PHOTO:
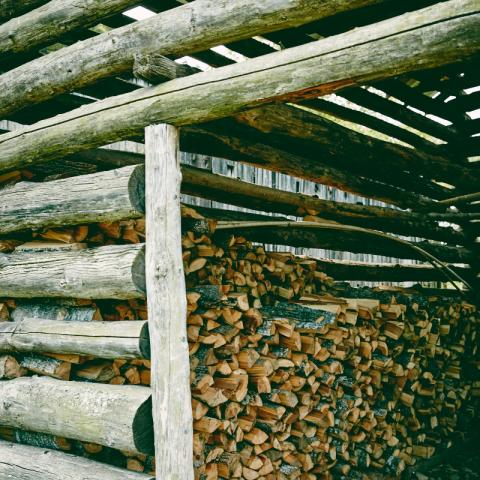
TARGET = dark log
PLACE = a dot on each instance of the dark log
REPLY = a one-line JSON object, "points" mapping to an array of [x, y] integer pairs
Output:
{"points": [[179, 31], [116, 271], [117, 416], [21, 462], [426, 38], [52, 311], [100, 339]]}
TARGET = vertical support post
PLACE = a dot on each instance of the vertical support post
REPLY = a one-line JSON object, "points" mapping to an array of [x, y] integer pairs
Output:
{"points": [[167, 308]]}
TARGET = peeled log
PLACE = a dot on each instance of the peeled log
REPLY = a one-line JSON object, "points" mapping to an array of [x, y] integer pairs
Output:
{"points": [[117, 416], [22, 462], [425, 38], [115, 271], [100, 339], [98, 197]]}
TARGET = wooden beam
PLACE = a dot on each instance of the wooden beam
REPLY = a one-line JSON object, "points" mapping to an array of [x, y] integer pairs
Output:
{"points": [[34, 463], [166, 299], [115, 271], [13, 8], [188, 28], [100, 339], [99, 197], [425, 38], [56, 18], [117, 416], [332, 236], [383, 272]]}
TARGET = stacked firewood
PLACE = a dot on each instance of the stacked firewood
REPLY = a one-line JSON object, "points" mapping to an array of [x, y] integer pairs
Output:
{"points": [[290, 377]]}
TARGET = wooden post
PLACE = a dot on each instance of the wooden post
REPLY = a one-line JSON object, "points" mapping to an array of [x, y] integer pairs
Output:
{"points": [[167, 309]]}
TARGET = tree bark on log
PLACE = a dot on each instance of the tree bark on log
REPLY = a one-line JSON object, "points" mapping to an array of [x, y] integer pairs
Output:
{"points": [[47, 311], [99, 339], [425, 38], [117, 416], [383, 272], [332, 237], [54, 19], [115, 271], [167, 306], [13, 8], [179, 31], [98, 197], [22, 462]]}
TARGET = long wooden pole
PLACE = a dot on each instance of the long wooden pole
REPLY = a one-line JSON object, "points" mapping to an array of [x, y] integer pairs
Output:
{"points": [[426, 38], [166, 298]]}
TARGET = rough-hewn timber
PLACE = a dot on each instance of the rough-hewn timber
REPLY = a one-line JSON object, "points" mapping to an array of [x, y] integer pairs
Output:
{"points": [[194, 27], [22, 462], [56, 18], [117, 416], [100, 339], [426, 38], [172, 410], [116, 271], [100, 197]]}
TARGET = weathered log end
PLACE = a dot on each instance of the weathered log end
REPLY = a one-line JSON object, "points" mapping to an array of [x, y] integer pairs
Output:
{"points": [[138, 271], [145, 342], [143, 428], [136, 188]]}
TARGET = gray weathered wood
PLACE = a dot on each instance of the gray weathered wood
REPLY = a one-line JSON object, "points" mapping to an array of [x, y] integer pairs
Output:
{"points": [[48, 310], [166, 297], [13, 8], [194, 27], [117, 416], [115, 271], [22, 462], [98, 197], [100, 339], [56, 18], [425, 38]]}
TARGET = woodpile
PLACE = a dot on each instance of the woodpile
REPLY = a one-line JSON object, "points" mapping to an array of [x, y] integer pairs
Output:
{"points": [[291, 376]]}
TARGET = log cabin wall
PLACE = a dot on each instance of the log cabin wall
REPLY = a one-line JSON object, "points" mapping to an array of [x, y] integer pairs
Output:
{"points": [[291, 374]]}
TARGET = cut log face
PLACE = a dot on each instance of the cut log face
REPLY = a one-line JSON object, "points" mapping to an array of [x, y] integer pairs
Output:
{"points": [[100, 339], [116, 271], [99, 197], [118, 416], [22, 462]]}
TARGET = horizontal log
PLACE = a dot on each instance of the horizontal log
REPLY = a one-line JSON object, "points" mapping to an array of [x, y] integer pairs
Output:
{"points": [[426, 38], [117, 416], [22, 462], [13, 8], [116, 271], [49, 310], [189, 28], [100, 197], [100, 339], [383, 272], [56, 18], [333, 236]]}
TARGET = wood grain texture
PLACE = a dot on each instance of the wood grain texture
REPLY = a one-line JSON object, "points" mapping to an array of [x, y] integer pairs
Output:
{"points": [[56, 18], [115, 271], [100, 339], [417, 40], [117, 416], [99, 197], [166, 298], [22, 462], [189, 28]]}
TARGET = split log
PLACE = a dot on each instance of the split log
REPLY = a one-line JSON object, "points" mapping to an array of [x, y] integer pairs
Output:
{"points": [[384, 272], [10, 368], [377, 51], [167, 306], [53, 20], [51, 311], [13, 8], [99, 339], [186, 29], [99, 197], [43, 365], [117, 416], [116, 271], [22, 462], [337, 237]]}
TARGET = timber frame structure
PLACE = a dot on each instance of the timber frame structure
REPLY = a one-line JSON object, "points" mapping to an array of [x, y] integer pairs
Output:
{"points": [[77, 76]]}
